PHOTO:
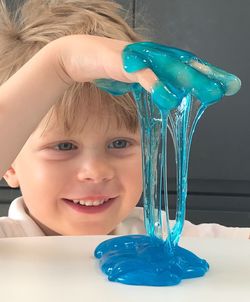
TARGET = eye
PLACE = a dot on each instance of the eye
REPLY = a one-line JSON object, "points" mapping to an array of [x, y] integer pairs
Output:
{"points": [[65, 146], [119, 144]]}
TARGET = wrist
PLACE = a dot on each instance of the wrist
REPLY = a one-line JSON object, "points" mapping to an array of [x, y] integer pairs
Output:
{"points": [[55, 51]]}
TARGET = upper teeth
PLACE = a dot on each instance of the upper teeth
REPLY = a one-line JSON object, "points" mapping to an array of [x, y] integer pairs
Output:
{"points": [[89, 202]]}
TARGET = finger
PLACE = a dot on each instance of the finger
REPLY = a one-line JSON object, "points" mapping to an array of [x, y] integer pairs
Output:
{"points": [[146, 78], [181, 79], [151, 62], [164, 96], [134, 60], [172, 72], [149, 49], [189, 80], [230, 82], [182, 70]]}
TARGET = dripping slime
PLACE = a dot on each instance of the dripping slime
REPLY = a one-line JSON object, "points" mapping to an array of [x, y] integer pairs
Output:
{"points": [[186, 87]]}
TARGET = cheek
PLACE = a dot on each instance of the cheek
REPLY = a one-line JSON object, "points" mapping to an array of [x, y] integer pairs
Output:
{"points": [[47, 172], [132, 175], [41, 178]]}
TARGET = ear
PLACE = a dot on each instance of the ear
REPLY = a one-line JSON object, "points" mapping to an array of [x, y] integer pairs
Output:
{"points": [[11, 178]]}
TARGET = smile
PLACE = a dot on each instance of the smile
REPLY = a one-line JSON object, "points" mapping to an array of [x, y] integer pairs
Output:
{"points": [[90, 203], [89, 206]]}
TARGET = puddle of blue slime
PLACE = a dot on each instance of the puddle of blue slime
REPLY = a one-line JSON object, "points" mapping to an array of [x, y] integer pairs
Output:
{"points": [[152, 259]]}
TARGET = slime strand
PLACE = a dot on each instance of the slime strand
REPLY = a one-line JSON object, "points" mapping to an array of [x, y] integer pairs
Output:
{"points": [[186, 86], [183, 121]]}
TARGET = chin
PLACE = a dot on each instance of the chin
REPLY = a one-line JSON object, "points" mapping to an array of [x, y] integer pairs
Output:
{"points": [[89, 232]]}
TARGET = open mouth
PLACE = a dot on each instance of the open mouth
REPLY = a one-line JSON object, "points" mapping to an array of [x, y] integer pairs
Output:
{"points": [[89, 206], [90, 203]]}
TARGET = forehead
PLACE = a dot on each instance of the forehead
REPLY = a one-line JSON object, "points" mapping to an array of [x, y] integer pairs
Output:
{"points": [[88, 107], [103, 123]]}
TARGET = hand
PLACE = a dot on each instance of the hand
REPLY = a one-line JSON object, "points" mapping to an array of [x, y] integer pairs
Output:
{"points": [[85, 58], [178, 72]]}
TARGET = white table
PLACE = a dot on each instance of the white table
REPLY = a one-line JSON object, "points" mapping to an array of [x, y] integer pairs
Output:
{"points": [[64, 269]]}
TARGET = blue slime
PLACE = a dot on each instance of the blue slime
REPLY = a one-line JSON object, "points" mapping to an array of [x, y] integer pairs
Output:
{"points": [[186, 86]]}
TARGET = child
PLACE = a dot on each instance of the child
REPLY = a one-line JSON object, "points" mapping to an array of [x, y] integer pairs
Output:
{"points": [[73, 150]]}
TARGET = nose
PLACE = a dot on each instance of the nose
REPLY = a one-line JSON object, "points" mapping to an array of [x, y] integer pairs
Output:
{"points": [[95, 170]]}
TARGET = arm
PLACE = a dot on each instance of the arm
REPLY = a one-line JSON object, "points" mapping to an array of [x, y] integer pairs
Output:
{"points": [[24, 100], [29, 94]]}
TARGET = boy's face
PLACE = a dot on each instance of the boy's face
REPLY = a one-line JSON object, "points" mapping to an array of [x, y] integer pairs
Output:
{"points": [[99, 167]]}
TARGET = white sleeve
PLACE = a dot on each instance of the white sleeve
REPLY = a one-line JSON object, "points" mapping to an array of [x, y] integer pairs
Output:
{"points": [[214, 230]]}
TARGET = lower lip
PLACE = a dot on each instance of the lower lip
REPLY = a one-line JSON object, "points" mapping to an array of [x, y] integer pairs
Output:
{"points": [[90, 209]]}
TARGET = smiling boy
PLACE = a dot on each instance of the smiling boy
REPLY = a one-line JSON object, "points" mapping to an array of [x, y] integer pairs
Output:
{"points": [[73, 149], [73, 183]]}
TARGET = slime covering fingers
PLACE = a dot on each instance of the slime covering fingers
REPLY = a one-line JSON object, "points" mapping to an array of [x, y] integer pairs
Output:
{"points": [[172, 66], [176, 68]]}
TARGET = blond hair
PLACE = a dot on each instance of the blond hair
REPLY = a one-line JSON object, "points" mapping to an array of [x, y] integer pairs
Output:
{"points": [[38, 22]]}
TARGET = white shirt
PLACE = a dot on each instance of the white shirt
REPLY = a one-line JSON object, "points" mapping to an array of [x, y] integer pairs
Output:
{"points": [[20, 224]]}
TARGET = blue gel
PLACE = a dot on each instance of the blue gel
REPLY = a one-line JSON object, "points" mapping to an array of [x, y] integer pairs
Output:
{"points": [[186, 86], [145, 260]]}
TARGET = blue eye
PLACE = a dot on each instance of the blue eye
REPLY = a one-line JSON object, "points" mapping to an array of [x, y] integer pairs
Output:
{"points": [[66, 146], [119, 144]]}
